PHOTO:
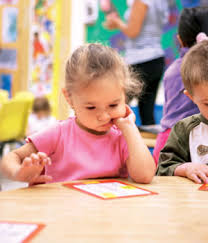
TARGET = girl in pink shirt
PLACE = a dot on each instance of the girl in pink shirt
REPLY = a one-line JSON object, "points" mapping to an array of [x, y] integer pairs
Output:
{"points": [[102, 139]]}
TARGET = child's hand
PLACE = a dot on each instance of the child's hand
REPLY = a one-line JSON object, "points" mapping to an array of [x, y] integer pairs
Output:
{"points": [[32, 167], [129, 118], [197, 172]]}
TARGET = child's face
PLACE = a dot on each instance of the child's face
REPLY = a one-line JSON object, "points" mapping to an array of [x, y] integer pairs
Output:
{"points": [[98, 104], [42, 114], [200, 98]]}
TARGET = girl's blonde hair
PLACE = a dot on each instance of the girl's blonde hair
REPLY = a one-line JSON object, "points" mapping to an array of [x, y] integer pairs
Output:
{"points": [[194, 68], [92, 61]]}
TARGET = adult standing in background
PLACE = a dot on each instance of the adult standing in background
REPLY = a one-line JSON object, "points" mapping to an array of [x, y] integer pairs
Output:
{"points": [[143, 25]]}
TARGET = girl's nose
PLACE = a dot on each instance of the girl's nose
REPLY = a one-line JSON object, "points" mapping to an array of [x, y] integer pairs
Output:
{"points": [[103, 116]]}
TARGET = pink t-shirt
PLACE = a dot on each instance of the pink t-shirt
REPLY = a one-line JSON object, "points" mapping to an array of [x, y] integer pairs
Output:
{"points": [[77, 154]]}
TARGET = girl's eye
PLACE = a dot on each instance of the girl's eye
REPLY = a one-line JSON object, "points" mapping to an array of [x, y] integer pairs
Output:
{"points": [[91, 107], [113, 105]]}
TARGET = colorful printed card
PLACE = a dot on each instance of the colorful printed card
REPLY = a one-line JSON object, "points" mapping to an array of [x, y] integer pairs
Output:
{"points": [[203, 187], [109, 189], [17, 232]]}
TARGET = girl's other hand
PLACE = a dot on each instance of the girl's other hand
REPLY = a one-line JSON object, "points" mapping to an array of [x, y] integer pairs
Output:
{"points": [[32, 167]]}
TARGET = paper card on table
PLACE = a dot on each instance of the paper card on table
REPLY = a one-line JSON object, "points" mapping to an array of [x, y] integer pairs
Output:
{"points": [[17, 232], [203, 187], [109, 189]]}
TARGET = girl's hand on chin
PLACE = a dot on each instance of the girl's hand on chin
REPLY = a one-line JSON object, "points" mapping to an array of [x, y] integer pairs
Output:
{"points": [[128, 119]]}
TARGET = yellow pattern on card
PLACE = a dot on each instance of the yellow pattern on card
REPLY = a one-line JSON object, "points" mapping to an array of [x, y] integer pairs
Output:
{"points": [[128, 187], [108, 195]]}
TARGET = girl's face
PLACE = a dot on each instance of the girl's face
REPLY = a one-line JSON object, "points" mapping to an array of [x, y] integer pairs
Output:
{"points": [[42, 114], [98, 104]]}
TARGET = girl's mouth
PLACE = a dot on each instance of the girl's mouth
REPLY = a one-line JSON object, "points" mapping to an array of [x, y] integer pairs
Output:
{"points": [[110, 123]]}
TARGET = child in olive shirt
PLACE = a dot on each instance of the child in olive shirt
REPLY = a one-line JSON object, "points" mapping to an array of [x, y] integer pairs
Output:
{"points": [[186, 151]]}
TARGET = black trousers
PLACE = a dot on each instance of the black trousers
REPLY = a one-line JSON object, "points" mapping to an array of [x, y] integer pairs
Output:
{"points": [[151, 73]]}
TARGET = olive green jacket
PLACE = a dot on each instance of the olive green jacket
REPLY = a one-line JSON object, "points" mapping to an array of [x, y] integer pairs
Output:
{"points": [[177, 148]]}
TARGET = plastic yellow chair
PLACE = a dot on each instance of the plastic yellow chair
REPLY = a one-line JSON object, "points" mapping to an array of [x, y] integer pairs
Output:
{"points": [[13, 123], [4, 95], [26, 96]]}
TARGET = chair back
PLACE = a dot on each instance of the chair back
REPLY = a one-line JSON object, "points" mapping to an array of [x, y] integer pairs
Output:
{"points": [[25, 95], [13, 119]]}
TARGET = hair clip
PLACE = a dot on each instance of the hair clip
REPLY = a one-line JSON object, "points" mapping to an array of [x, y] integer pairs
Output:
{"points": [[201, 36], [202, 150]]}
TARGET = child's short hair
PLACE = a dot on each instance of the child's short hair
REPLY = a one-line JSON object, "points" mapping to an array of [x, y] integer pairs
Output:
{"points": [[41, 104], [92, 61], [194, 68], [191, 22]]}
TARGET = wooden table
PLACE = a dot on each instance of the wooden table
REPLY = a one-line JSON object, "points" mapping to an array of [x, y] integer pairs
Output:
{"points": [[179, 213], [149, 139]]}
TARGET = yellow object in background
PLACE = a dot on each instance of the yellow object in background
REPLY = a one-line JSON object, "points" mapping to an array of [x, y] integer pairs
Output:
{"points": [[4, 95], [14, 115], [25, 96], [60, 54], [51, 101]]}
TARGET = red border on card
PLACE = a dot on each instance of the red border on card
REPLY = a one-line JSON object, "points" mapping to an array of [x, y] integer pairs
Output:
{"points": [[31, 235], [203, 187], [72, 185]]}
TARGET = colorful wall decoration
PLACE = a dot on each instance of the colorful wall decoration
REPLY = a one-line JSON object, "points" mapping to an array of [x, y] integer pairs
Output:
{"points": [[8, 2], [97, 33], [43, 29], [8, 59], [9, 31], [14, 44], [6, 82], [8, 39]]}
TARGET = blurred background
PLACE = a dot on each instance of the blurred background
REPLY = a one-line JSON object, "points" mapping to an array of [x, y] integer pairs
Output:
{"points": [[38, 35]]}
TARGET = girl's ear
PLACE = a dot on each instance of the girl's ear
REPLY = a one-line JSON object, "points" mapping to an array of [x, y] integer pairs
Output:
{"points": [[180, 41], [188, 94], [67, 97]]}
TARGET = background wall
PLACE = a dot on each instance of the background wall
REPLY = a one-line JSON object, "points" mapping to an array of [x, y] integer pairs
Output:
{"points": [[14, 34]]}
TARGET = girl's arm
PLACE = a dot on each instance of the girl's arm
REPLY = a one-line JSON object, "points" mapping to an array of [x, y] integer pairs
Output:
{"points": [[140, 164], [25, 164], [133, 27]]}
